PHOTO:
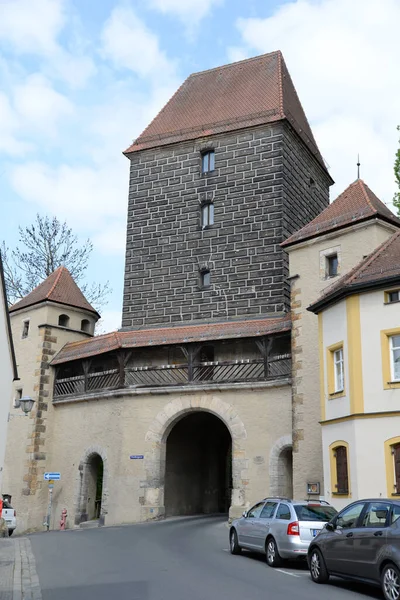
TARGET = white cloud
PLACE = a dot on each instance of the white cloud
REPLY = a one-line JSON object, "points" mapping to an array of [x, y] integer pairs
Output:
{"points": [[9, 126], [91, 199], [110, 321], [188, 11], [343, 58], [129, 44], [39, 105], [32, 27]]}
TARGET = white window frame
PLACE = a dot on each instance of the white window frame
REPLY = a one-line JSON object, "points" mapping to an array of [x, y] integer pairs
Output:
{"points": [[338, 362], [392, 348], [207, 214]]}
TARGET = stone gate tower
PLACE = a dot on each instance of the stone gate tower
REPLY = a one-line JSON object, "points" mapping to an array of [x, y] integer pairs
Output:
{"points": [[225, 172]]}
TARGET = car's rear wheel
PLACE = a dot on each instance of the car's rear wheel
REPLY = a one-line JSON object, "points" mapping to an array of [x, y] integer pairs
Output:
{"points": [[233, 543], [318, 570], [272, 554], [391, 582]]}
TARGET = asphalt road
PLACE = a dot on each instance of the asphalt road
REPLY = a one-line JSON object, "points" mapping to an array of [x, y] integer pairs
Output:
{"points": [[177, 559]]}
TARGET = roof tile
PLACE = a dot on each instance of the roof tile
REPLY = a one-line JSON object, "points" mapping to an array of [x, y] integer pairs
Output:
{"points": [[382, 264], [357, 203], [170, 335], [59, 287], [243, 94]]}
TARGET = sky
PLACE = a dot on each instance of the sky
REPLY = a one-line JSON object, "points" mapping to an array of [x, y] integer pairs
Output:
{"points": [[80, 79]]}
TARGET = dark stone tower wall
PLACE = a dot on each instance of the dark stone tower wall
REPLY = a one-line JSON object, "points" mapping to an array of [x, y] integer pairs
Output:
{"points": [[261, 193]]}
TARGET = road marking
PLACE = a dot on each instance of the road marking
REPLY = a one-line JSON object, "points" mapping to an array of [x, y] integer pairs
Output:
{"points": [[287, 573], [225, 550]]}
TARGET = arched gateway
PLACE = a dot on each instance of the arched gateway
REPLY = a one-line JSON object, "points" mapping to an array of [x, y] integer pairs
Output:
{"points": [[196, 463]]}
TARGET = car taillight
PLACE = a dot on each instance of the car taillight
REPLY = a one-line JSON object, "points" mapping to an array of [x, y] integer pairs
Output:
{"points": [[293, 528], [15, 513]]}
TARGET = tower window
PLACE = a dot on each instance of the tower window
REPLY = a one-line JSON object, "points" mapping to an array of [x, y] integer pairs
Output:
{"points": [[205, 279], [25, 329], [208, 161], [85, 325], [207, 215], [63, 320], [332, 264]]}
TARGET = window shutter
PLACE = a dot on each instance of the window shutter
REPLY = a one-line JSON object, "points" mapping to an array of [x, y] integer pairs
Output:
{"points": [[396, 452], [341, 470]]}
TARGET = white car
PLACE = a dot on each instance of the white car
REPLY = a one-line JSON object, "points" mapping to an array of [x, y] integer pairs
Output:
{"points": [[10, 517]]}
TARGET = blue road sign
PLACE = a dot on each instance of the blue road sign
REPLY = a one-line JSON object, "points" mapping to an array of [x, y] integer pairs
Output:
{"points": [[136, 456], [52, 476]]}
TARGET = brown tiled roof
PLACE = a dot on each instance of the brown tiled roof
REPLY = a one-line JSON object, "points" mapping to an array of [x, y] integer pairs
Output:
{"points": [[243, 94], [357, 203], [171, 335], [381, 267], [59, 287]]}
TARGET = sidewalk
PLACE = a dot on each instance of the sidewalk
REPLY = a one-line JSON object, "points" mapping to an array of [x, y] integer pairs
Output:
{"points": [[18, 577]]}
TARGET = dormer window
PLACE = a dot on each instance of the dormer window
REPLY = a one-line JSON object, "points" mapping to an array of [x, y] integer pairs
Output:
{"points": [[208, 161], [63, 320]]}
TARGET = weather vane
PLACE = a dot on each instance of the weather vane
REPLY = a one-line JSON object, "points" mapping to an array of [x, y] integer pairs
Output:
{"points": [[358, 166]]}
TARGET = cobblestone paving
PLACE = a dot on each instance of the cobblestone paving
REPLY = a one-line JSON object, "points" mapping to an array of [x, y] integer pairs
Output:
{"points": [[18, 577]]}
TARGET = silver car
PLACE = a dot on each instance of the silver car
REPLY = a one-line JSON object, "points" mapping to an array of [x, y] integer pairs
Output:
{"points": [[280, 528]]}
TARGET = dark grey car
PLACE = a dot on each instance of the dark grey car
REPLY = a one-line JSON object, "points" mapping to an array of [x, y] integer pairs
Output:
{"points": [[362, 542]]}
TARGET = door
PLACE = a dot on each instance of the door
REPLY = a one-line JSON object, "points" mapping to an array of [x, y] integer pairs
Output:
{"points": [[338, 546], [247, 526], [369, 539], [262, 524]]}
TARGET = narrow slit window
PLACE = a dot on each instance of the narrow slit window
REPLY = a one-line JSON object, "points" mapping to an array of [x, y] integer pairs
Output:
{"points": [[205, 279], [332, 264], [342, 473], [395, 357], [208, 161], [207, 215], [25, 329], [339, 370]]}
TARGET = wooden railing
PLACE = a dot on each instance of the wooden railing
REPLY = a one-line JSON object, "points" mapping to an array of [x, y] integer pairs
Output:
{"points": [[172, 375]]}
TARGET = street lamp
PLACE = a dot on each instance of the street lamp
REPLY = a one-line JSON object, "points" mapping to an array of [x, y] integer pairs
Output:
{"points": [[25, 403]]}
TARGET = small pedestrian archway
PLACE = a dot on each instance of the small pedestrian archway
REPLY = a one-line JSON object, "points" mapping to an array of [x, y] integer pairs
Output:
{"points": [[281, 468], [198, 466], [91, 486]]}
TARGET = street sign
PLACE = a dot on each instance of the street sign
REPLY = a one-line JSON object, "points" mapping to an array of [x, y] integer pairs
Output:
{"points": [[52, 476], [136, 456]]}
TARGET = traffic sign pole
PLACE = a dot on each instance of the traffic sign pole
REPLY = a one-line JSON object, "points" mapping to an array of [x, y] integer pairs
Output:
{"points": [[49, 506]]}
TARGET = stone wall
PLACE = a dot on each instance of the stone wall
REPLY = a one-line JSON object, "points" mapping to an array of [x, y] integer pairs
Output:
{"points": [[138, 423], [256, 205]]}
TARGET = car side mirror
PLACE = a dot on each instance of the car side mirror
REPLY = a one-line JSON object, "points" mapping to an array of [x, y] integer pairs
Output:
{"points": [[330, 527], [244, 514]]}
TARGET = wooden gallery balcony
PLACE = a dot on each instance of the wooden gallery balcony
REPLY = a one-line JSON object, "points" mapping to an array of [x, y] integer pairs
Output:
{"points": [[165, 358]]}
